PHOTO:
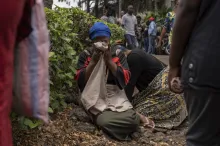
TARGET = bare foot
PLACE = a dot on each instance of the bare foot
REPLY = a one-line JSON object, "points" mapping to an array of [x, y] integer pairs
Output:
{"points": [[146, 122]]}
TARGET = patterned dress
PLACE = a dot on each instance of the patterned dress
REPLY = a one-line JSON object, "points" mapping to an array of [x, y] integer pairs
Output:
{"points": [[168, 24], [168, 110]]}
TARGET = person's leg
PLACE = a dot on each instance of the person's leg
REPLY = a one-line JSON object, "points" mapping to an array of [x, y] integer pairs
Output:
{"points": [[150, 40], [140, 45], [153, 45], [203, 114], [134, 41], [119, 125], [146, 42], [128, 39]]}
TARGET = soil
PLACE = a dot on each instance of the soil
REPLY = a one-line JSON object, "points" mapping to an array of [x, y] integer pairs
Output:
{"points": [[72, 127]]}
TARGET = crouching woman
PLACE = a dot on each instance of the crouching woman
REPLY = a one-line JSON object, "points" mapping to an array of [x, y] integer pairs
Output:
{"points": [[113, 112]]}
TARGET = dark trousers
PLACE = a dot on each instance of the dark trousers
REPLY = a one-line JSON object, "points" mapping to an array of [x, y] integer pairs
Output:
{"points": [[119, 125], [204, 117], [146, 44], [140, 44], [131, 41], [151, 47]]}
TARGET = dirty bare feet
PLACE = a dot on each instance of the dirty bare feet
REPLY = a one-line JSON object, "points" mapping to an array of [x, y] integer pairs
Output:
{"points": [[146, 122]]}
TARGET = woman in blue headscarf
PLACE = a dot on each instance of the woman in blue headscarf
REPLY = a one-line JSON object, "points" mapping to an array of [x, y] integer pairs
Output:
{"points": [[117, 119]]}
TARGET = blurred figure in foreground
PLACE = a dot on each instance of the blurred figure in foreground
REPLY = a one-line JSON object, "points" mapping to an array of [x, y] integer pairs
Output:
{"points": [[196, 40], [15, 18]]}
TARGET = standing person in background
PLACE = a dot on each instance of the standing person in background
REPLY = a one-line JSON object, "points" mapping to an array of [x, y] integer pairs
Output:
{"points": [[119, 21], [104, 17], [152, 34], [146, 41], [111, 14], [168, 25], [196, 40], [140, 32], [16, 25], [129, 23]]}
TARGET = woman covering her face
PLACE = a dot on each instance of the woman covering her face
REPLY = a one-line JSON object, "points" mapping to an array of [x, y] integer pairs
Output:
{"points": [[113, 113]]}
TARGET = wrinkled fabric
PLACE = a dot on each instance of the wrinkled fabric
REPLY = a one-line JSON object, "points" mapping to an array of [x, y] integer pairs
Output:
{"points": [[99, 29], [31, 76], [165, 108], [97, 96], [117, 125], [95, 88], [12, 13], [200, 69], [122, 76]]}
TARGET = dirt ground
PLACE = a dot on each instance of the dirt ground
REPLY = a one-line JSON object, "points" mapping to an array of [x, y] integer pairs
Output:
{"points": [[72, 127]]}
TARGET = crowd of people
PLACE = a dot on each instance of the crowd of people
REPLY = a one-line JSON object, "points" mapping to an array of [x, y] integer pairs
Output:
{"points": [[137, 34], [140, 34]]}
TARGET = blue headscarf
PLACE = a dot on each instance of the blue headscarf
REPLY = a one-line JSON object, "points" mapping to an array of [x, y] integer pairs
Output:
{"points": [[99, 29]]}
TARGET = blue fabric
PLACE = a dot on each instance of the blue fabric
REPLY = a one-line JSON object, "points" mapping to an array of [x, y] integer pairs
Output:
{"points": [[151, 45], [169, 21], [152, 29], [122, 48], [146, 44], [99, 29]]}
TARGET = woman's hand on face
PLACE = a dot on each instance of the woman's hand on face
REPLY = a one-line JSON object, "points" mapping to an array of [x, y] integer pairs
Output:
{"points": [[96, 55]]}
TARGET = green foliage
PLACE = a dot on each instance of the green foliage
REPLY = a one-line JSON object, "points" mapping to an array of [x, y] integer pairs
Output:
{"points": [[25, 123], [68, 32]]}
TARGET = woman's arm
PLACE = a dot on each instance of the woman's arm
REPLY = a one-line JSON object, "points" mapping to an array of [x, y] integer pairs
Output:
{"points": [[119, 68], [136, 70], [85, 66]]}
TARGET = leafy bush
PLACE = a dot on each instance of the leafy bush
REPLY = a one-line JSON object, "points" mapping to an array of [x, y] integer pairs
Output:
{"points": [[68, 32]]}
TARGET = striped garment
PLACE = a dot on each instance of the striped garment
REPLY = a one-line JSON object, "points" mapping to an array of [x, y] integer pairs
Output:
{"points": [[31, 76]]}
